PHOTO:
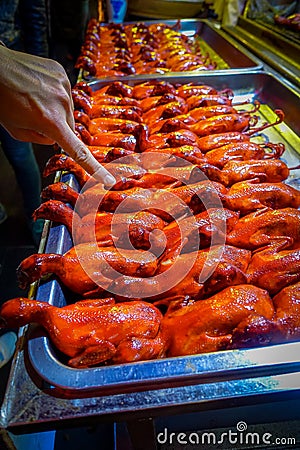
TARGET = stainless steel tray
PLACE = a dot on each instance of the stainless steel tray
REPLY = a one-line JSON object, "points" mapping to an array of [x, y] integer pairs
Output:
{"points": [[223, 50], [47, 367], [276, 50]]}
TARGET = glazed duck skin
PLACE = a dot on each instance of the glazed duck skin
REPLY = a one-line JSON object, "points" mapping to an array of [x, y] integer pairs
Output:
{"points": [[152, 89], [127, 175], [164, 140], [265, 227], [188, 90], [200, 230], [108, 229], [105, 154], [264, 170], [196, 274], [242, 151], [204, 100], [154, 101], [164, 111], [84, 263], [207, 325], [91, 332], [212, 141], [284, 327], [287, 304], [97, 197], [115, 111], [249, 196], [273, 268], [218, 253], [186, 152], [165, 203], [119, 171]]}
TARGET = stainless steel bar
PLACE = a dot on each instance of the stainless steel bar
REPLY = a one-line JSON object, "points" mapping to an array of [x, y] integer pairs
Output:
{"points": [[275, 50]]}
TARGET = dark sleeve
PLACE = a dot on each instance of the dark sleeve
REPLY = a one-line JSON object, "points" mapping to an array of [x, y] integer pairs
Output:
{"points": [[34, 26]]}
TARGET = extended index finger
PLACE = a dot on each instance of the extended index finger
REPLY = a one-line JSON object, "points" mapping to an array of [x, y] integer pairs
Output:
{"points": [[75, 148]]}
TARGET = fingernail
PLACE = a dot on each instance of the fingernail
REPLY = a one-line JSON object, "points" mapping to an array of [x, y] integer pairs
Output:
{"points": [[109, 180]]}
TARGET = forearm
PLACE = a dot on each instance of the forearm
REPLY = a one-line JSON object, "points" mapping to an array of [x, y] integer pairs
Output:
{"points": [[30, 88], [36, 106]]}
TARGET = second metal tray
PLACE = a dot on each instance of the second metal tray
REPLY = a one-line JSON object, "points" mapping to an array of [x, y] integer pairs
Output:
{"points": [[224, 51]]}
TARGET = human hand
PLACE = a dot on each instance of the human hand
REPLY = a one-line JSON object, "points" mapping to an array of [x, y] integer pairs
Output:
{"points": [[36, 106]]}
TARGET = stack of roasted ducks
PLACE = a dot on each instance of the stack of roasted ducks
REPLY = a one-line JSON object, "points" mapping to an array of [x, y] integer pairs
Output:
{"points": [[115, 50], [292, 21], [194, 249]]}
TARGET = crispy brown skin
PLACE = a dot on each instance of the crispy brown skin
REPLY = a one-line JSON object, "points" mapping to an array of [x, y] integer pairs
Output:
{"points": [[91, 332]]}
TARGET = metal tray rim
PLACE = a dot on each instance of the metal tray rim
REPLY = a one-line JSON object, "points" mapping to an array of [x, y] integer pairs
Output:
{"points": [[194, 369]]}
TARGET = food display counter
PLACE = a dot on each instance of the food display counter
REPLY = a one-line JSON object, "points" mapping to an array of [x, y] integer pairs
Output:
{"points": [[54, 394]]}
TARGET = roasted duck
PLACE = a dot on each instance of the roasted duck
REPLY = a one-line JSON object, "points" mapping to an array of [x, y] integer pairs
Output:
{"points": [[107, 229], [190, 118], [216, 140], [244, 197], [104, 124], [207, 325], [191, 134], [284, 327], [151, 102], [222, 155], [165, 203], [199, 231], [108, 139], [128, 175], [292, 21], [287, 305], [86, 268], [114, 94], [153, 89], [266, 170], [265, 227], [263, 170], [274, 268], [92, 332], [195, 274], [242, 151], [65, 163], [248, 196], [106, 154]]}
